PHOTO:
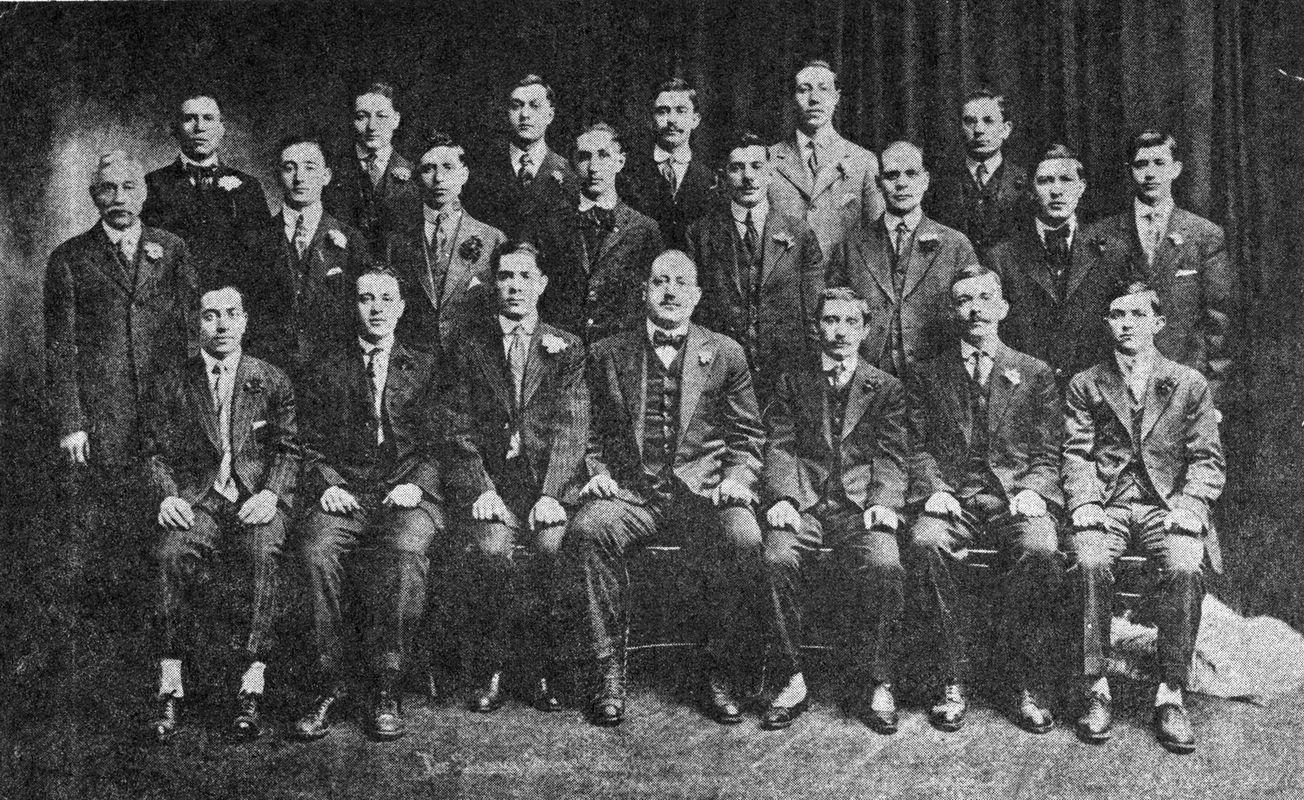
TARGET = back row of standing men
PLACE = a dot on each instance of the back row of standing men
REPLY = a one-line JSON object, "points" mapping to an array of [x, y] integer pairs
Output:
{"points": [[766, 233]]}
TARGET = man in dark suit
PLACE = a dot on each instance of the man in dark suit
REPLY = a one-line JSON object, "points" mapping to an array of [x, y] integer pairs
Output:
{"points": [[1180, 255], [305, 294], [986, 196], [835, 473], [521, 382], [119, 306], [444, 258], [673, 187], [224, 459], [903, 263], [821, 177], [761, 271], [377, 438], [674, 450], [216, 209], [985, 430], [1057, 285], [374, 190], [596, 253], [527, 178], [1142, 467]]}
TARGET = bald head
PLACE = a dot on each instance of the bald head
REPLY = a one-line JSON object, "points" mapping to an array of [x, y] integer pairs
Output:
{"points": [[118, 189], [671, 292], [903, 179]]}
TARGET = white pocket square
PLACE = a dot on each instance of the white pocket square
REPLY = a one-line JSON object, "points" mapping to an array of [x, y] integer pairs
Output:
{"points": [[848, 199], [333, 271], [475, 281], [262, 423], [1182, 273]]}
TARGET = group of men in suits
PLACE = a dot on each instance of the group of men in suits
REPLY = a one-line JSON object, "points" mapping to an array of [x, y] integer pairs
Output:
{"points": [[754, 361]]}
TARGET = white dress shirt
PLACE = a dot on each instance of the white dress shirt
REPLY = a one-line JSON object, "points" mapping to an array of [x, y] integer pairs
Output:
{"points": [[382, 157], [993, 163], [607, 201], [538, 151], [1151, 222], [665, 352], [311, 219], [126, 241], [221, 385], [1136, 372], [1042, 227], [985, 363], [846, 368], [678, 160], [760, 212], [379, 373]]}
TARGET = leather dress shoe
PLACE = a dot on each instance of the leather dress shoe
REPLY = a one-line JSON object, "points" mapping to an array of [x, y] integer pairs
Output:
{"points": [[609, 699], [719, 700], [490, 698], [544, 695], [167, 717], [248, 722], [387, 716], [1034, 716], [1097, 719], [1173, 728], [776, 718], [948, 714], [883, 719], [315, 722]]}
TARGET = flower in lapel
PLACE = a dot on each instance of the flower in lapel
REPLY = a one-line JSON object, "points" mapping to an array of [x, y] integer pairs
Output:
{"points": [[783, 239], [704, 357], [401, 173], [253, 386], [401, 362], [558, 177], [551, 344], [153, 251], [928, 243], [1175, 238], [338, 238], [471, 249], [229, 183], [1164, 387], [1013, 376]]}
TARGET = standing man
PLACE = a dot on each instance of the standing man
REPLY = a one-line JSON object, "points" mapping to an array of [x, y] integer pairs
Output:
{"points": [[224, 459], [374, 426], [374, 191], [762, 271], [835, 473], [1180, 255], [903, 264], [1143, 465], [674, 451], [986, 197], [1057, 286], [119, 306], [822, 178], [672, 187], [216, 209], [305, 296], [444, 261], [985, 431], [597, 252], [521, 381], [527, 178]]}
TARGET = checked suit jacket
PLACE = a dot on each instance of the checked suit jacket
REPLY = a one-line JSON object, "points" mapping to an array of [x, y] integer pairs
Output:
{"points": [[844, 195]]}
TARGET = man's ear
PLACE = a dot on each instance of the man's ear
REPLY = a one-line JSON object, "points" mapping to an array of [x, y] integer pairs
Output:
{"points": [[1177, 169], [326, 181], [1160, 322]]}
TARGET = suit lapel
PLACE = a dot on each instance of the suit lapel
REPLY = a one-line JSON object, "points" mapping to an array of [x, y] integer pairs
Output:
{"points": [[398, 380], [493, 364], [726, 238], [1159, 393], [818, 386], [776, 241], [790, 166], [202, 396], [919, 262], [1167, 251], [630, 366], [698, 349], [109, 260], [622, 217], [148, 270], [1000, 389], [242, 406], [1080, 262], [458, 272], [858, 393], [954, 388], [534, 367], [830, 173], [879, 261], [1035, 261], [1110, 382]]}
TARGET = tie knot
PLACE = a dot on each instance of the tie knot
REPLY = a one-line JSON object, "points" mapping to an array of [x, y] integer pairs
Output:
{"points": [[217, 369], [519, 330], [902, 228]]}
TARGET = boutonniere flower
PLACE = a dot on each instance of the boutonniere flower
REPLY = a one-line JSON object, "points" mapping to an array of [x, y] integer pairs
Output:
{"points": [[551, 344], [1175, 238], [558, 177], [401, 173], [842, 170], [229, 183], [783, 239], [253, 386], [1012, 375], [338, 238], [928, 243], [704, 358], [153, 251], [471, 249], [401, 361], [1164, 387]]}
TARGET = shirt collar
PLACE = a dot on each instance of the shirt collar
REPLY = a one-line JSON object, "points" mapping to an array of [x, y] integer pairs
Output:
{"points": [[382, 156], [827, 362], [386, 344], [823, 138], [311, 216], [432, 214], [538, 151], [993, 162], [759, 213], [911, 220], [1043, 227], [609, 202], [508, 325], [131, 234], [228, 362], [1164, 208], [682, 330], [681, 155], [186, 161], [967, 350]]}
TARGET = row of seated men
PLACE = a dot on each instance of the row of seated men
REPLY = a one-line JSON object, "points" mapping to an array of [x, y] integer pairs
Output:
{"points": [[117, 299]]}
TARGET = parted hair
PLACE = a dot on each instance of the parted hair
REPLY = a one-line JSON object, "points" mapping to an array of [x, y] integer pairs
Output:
{"points": [[532, 79], [846, 294], [975, 271], [1128, 288], [382, 272], [605, 127], [676, 85], [1057, 152], [512, 247], [819, 62], [988, 93], [303, 137], [1151, 137], [381, 88], [438, 138], [744, 139]]}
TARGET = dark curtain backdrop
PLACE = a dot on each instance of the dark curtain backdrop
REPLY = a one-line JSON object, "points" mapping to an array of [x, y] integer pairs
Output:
{"points": [[79, 78]]}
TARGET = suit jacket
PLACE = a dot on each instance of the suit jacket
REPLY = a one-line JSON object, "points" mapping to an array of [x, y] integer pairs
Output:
{"points": [[699, 193], [444, 292], [110, 327], [302, 307], [1178, 448], [719, 434], [494, 194], [551, 416], [1194, 283], [381, 211], [845, 195], [799, 447], [779, 332], [426, 441], [221, 226], [1024, 426], [186, 438], [864, 263], [593, 295], [987, 216], [1067, 332]]}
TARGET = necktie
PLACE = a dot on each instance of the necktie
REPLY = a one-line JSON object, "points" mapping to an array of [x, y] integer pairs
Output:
{"points": [[377, 391], [980, 174], [813, 159], [976, 363], [223, 483], [202, 177], [516, 355], [374, 171], [128, 250], [523, 174], [668, 172], [834, 374], [902, 232], [441, 233], [300, 237], [1154, 232], [662, 339], [751, 240]]}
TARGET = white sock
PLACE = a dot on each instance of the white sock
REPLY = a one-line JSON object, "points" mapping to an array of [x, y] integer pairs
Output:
{"points": [[252, 681], [169, 679], [1101, 687], [793, 693], [1166, 694]]}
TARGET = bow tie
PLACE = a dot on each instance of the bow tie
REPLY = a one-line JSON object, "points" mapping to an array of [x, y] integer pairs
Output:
{"points": [[201, 173], [599, 218], [662, 339]]}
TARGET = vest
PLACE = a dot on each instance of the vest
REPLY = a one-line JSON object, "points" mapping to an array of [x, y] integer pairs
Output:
{"points": [[978, 477], [661, 416], [836, 402]]}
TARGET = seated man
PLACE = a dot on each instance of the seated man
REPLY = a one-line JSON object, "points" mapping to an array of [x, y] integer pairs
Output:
{"points": [[371, 417], [674, 450], [985, 429], [224, 458], [835, 470], [521, 381], [1143, 465]]}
